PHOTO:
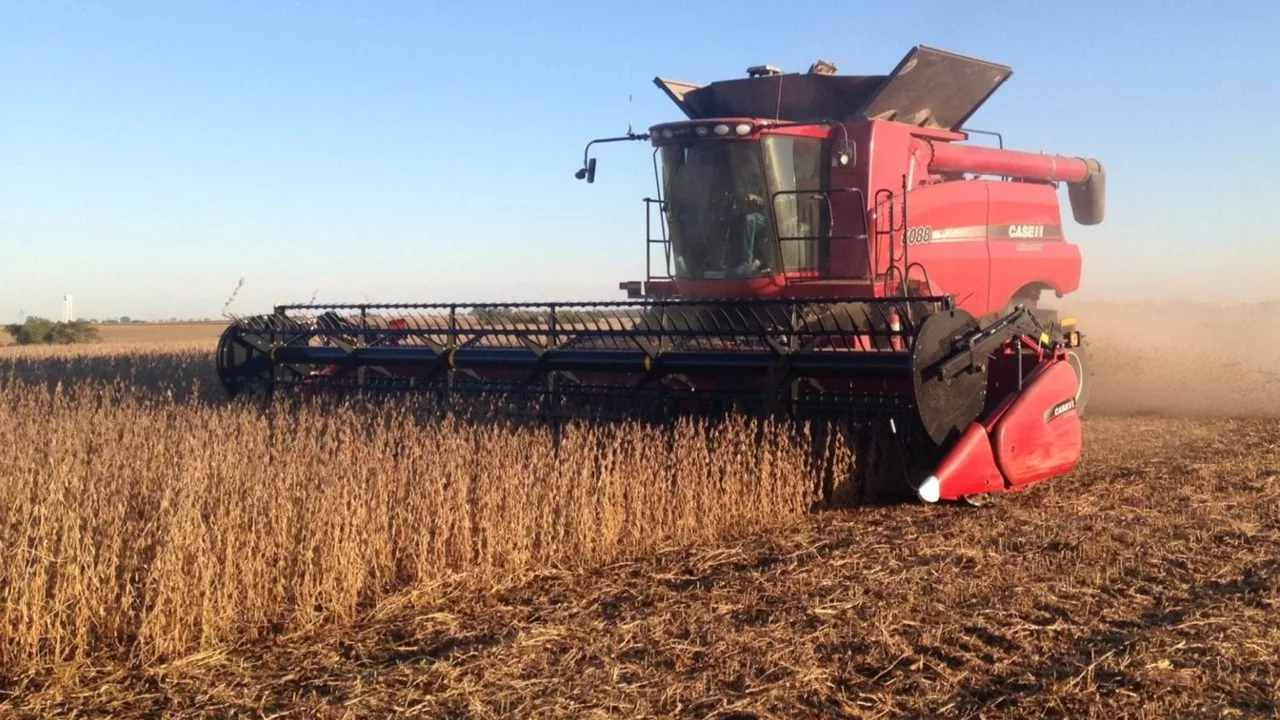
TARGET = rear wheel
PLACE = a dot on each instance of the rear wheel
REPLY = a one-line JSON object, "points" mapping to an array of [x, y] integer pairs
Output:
{"points": [[1031, 301]]}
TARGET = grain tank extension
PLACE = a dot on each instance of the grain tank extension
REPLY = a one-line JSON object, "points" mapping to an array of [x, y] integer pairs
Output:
{"points": [[823, 247]]}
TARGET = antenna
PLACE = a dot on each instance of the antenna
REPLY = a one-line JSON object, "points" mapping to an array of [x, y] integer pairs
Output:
{"points": [[588, 170], [777, 113]]}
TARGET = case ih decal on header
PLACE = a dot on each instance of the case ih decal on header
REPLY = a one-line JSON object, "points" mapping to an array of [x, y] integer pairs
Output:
{"points": [[826, 247]]}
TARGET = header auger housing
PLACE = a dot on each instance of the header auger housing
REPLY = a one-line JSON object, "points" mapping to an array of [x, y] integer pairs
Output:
{"points": [[832, 253]]}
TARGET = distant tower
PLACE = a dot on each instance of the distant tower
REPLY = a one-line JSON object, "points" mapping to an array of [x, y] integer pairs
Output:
{"points": [[68, 314]]}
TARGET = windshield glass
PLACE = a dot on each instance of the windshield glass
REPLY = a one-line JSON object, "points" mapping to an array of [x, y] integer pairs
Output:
{"points": [[718, 206], [717, 210], [799, 203]]}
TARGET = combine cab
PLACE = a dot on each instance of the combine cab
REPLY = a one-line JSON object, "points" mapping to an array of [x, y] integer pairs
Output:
{"points": [[830, 249]]}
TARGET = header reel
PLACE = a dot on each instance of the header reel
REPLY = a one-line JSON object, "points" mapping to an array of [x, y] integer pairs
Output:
{"points": [[919, 363]]}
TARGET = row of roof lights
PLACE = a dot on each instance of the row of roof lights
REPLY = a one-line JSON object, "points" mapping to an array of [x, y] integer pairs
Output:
{"points": [[741, 129]]}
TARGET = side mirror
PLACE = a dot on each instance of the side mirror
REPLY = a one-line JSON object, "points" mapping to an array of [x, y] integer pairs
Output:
{"points": [[588, 170]]}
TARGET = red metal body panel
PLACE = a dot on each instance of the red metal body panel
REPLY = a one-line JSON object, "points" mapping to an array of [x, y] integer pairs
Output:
{"points": [[777, 286], [1033, 435], [1048, 262], [850, 209], [955, 254], [1039, 435], [970, 467]]}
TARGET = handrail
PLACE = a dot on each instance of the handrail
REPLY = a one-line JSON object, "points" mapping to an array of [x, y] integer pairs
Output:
{"points": [[650, 241], [831, 231]]}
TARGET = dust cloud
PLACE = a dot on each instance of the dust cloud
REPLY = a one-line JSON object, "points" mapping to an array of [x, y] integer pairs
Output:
{"points": [[1189, 333], [1182, 359]]}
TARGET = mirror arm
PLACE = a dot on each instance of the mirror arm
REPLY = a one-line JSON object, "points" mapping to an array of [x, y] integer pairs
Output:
{"points": [[587, 170]]}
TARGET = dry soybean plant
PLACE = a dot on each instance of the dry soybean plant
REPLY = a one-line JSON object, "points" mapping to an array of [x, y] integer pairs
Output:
{"points": [[143, 519]]}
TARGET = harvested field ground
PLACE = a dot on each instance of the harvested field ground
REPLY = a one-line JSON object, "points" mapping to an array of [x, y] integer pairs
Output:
{"points": [[161, 332], [1144, 584]]}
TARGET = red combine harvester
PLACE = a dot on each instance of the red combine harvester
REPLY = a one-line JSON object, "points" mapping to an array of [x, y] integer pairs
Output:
{"points": [[831, 249]]}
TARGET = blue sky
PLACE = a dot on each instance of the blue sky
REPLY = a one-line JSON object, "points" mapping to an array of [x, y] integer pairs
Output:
{"points": [[153, 153]]}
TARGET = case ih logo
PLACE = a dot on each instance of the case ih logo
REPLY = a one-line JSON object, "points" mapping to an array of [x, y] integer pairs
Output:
{"points": [[1026, 231], [1061, 408]]}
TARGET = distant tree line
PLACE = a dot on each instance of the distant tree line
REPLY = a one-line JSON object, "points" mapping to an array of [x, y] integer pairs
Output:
{"points": [[42, 331]]}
